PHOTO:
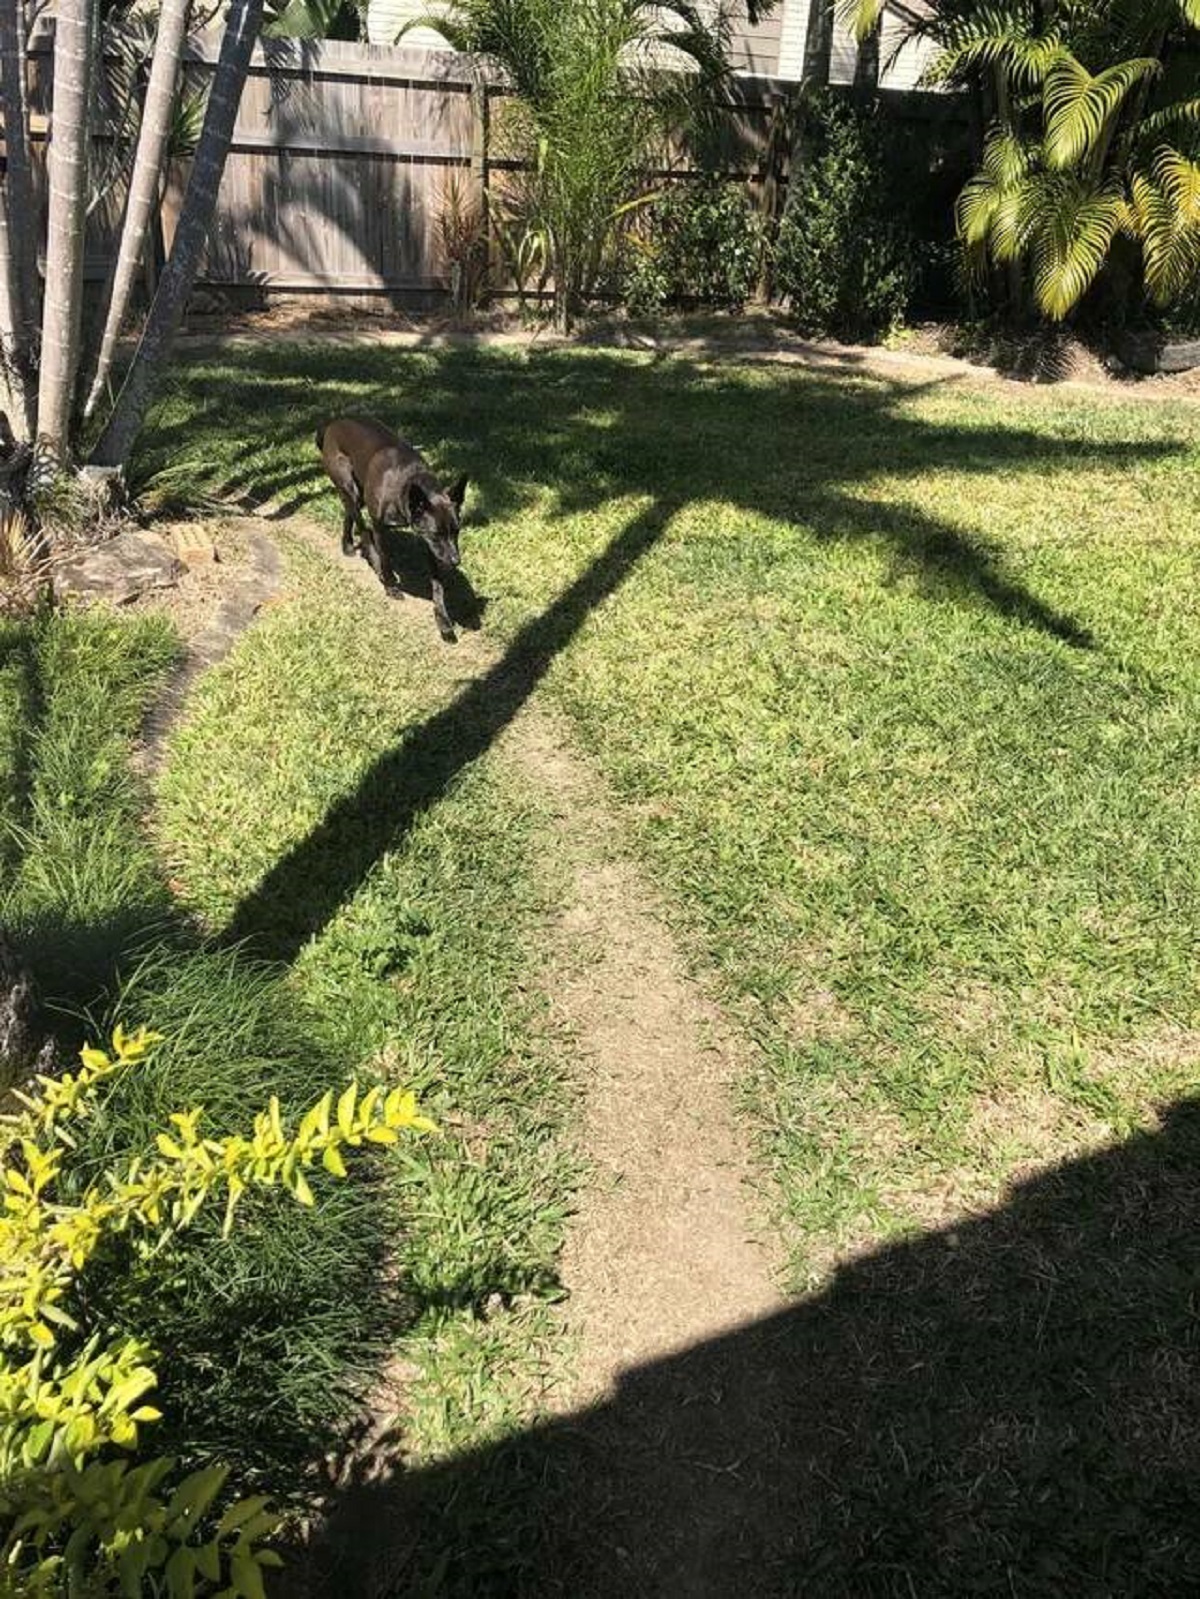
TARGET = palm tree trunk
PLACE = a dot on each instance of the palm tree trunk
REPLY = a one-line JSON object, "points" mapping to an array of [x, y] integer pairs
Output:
{"points": [[15, 397], [1004, 108], [818, 46], [187, 248], [144, 185], [68, 177], [14, 102], [866, 67]]}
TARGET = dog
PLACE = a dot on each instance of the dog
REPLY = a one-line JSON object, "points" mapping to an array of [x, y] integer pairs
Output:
{"points": [[374, 469]]}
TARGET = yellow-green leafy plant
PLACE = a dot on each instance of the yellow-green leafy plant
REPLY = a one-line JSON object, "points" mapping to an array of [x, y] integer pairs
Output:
{"points": [[1095, 135], [83, 1508]]}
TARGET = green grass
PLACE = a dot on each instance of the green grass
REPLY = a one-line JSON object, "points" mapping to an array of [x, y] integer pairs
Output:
{"points": [[275, 1337], [899, 682], [80, 884], [421, 975], [897, 685]]}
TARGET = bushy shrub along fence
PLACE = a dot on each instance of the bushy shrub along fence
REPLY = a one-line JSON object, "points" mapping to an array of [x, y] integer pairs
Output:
{"points": [[352, 166]]}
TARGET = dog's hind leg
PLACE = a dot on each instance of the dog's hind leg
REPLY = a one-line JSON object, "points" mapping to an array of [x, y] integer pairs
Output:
{"points": [[350, 495]]}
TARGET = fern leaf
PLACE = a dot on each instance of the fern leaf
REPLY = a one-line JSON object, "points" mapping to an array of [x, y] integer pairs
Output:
{"points": [[1076, 224], [860, 17], [995, 36], [1080, 108]]}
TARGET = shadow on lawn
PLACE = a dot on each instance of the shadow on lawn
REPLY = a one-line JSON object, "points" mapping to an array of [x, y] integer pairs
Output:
{"points": [[605, 429], [1011, 1407]]}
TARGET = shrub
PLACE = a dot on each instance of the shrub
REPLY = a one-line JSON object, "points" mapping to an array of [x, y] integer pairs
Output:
{"points": [[699, 243], [290, 1317], [846, 259], [81, 1505]]}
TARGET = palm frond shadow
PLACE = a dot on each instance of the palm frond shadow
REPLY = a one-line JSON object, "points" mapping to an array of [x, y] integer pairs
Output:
{"points": [[543, 430]]}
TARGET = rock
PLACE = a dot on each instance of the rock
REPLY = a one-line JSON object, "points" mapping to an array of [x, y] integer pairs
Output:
{"points": [[193, 548], [1147, 352], [120, 570]]}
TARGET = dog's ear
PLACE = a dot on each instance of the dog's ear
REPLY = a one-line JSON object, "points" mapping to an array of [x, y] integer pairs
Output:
{"points": [[415, 500], [459, 493]]}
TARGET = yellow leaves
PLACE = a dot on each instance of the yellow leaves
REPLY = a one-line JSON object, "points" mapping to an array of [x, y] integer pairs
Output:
{"points": [[345, 1111], [75, 1408], [1080, 107]]}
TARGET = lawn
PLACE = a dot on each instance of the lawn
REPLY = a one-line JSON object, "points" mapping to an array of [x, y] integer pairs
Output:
{"points": [[436, 1260], [898, 684], [895, 685]]}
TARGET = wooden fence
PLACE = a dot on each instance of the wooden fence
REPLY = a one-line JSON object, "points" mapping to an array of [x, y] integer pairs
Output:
{"points": [[341, 160]]}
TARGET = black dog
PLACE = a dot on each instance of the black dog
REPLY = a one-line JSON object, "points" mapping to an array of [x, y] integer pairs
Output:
{"points": [[374, 469]]}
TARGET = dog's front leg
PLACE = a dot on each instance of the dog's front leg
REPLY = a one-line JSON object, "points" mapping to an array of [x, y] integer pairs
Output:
{"points": [[378, 559], [441, 615]]}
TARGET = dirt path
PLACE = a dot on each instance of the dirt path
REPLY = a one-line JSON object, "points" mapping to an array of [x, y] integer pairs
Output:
{"points": [[662, 1254], [247, 588]]}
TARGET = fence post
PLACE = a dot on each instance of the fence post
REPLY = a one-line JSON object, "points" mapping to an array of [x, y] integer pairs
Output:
{"points": [[480, 113]]}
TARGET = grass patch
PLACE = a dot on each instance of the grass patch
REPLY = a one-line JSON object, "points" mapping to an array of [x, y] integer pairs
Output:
{"points": [[420, 975], [275, 1334], [81, 886], [898, 685], [288, 1321]]}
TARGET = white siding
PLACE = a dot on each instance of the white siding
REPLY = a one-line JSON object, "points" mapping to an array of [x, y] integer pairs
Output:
{"points": [[844, 58], [914, 57], [754, 47], [385, 18], [792, 37]]}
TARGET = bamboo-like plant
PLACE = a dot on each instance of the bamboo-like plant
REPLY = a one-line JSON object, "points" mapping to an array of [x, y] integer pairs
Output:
{"points": [[602, 88], [1095, 136]]}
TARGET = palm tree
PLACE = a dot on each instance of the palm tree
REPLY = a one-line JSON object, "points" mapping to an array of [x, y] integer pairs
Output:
{"points": [[601, 85], [74, 29], [242, 27], [1094, 138], [145, 184], [24, 303]]}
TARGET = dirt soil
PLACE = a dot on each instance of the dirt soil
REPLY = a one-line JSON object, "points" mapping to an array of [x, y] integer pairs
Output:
{"points": [[1041, 357], [233, 571]]}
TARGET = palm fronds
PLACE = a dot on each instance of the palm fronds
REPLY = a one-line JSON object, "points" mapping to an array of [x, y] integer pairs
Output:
{"points": [[1081, 109], [1085, 101]]}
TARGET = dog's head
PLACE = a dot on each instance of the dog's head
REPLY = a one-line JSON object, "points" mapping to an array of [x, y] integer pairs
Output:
{"points": [[436, 516]]}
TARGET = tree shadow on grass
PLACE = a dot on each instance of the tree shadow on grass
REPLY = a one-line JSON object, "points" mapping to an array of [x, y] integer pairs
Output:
{"points": [[592, 430], [305, 888], [1007, 1406]]}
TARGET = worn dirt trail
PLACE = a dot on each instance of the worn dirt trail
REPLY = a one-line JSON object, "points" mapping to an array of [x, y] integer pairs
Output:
{"points": [[661, 1255]]}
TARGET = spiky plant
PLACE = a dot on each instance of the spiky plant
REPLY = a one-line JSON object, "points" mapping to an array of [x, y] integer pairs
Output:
{"points": [[1095, 136], [602, 86]]}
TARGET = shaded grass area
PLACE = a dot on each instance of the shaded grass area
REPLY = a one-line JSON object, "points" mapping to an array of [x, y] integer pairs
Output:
{"points": [[81, 885], [285, 1322], [898, 686], [421, 975]]}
